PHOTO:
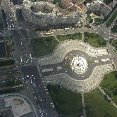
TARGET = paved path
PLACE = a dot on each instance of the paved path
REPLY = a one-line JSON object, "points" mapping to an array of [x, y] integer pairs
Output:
{"points": [[83, 36], [104, 93], [83, 105], [56, 38]]}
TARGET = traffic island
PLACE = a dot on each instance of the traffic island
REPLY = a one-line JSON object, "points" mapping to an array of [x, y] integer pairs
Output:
{"points": [[75, 36]]}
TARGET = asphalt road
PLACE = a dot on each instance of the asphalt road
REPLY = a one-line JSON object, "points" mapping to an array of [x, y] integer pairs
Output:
{"points": [[113, 55], [22, 56], [31, 75], [101, 30], [22, 51]]}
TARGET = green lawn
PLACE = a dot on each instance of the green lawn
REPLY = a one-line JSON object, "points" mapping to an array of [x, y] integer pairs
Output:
{"points": [[1, 24], [1, 20], [114, 43], [11, 90], [67, 103], [89, 18], [43, 46], [109, 22], [88, 1], [56, 1], [114, 29], [77, 36], [108, 1], [9, 50], [94, 40], [6, 63], [98, 106], [10, 83], [98, 21], [109, 84]]}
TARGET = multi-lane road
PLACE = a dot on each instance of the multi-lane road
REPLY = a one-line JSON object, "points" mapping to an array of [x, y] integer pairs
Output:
{"points": [[22, 56], [21, 42], [42, 96], [27, 64], [100, 29]]}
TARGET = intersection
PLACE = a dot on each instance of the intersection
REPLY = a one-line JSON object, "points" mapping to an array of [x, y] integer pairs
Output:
{"points": [[62, 66], [73, 64]]}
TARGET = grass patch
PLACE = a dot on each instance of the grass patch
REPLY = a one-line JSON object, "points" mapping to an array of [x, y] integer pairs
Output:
{"points": [[7, 63], [114, 43], [98, 21], [56, 1], [109, 84], [89, 18], [67, 103], [94, 40], [75, 36], [98, 106], [1, 20], [108, 1], [43, 46], [114, 29], [10, 83], [109, 22], [11, 90]]}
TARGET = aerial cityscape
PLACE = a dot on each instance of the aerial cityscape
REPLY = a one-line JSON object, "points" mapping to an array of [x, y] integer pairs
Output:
{"points": [[58, 58]]}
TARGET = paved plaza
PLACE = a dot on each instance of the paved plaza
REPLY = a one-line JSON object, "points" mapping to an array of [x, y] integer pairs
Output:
{"points": [[15, 106], [72, 64], [76, 65]]}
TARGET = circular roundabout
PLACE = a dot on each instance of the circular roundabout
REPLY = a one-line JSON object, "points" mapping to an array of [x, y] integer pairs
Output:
{"points": [[76, 66]]}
